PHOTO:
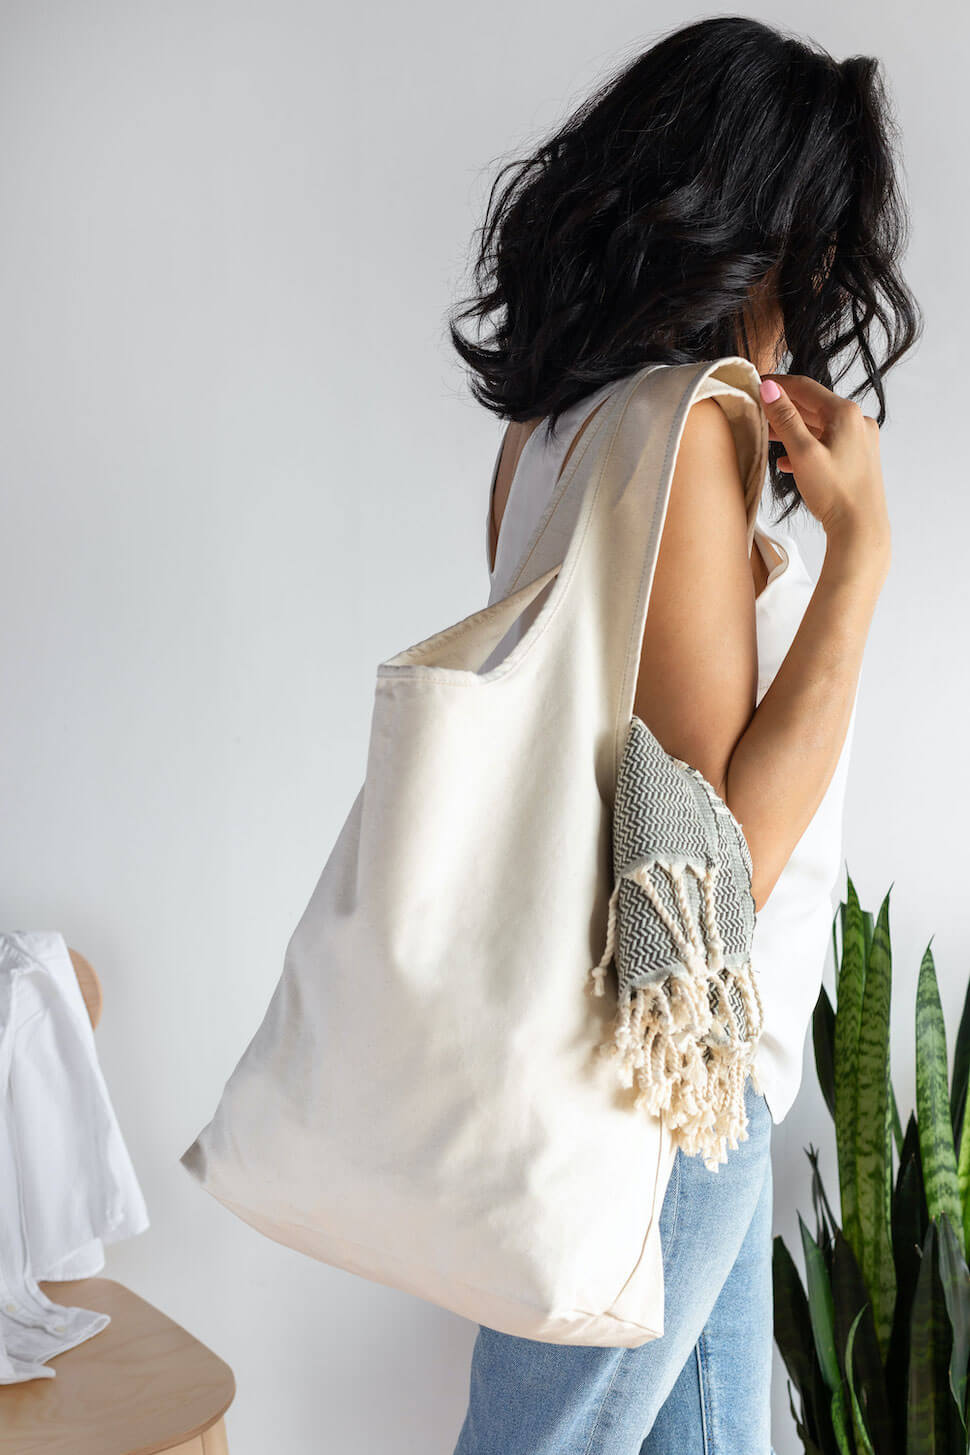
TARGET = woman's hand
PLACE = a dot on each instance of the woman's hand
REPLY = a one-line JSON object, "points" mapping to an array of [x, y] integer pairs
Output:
{"points": [[832, 450]]}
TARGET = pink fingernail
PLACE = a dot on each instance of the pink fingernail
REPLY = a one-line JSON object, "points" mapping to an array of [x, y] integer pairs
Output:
{"points": [[769, 391]]}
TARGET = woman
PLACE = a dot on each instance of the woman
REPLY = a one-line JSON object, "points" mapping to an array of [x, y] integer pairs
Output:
{"points": [[732, 191]]}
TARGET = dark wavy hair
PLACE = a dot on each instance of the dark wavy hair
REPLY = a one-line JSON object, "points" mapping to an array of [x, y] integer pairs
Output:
{"points": [[727, 167]]}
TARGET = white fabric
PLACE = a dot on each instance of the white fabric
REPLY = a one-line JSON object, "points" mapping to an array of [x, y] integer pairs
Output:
{"points": [[67, 1185], [423, 1103], [793, 928]]}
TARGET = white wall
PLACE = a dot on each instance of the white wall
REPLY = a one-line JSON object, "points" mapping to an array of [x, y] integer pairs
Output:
{"points": [[240, 467]]}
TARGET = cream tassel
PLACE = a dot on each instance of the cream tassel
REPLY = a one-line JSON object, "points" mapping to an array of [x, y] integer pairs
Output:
{"points": [[689, 1060]]}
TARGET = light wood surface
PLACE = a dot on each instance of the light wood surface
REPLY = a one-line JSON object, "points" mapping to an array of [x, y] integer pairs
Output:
{"points": [[141, 1385], [89, 983]]}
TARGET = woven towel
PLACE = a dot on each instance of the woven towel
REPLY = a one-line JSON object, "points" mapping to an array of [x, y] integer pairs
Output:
{"points": [[679, 932]]}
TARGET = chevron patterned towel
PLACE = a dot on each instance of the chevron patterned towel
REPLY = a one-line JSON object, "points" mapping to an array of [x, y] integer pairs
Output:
{"points": [[681, 921]]}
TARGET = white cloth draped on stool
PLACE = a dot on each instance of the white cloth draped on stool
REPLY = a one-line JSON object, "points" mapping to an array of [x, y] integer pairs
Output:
{"points": [[67, 1184]]}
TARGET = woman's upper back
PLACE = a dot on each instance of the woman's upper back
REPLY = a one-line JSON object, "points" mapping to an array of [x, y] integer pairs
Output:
{"points": [[548, 467], [783, 584]]}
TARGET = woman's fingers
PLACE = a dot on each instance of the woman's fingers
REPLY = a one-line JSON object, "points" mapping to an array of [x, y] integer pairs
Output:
{"points": [[809, 406], [810, 396], [831, 449], [823, 411], [785, 420]]}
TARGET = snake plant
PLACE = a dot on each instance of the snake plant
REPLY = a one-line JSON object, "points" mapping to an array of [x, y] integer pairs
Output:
{"points": [[876, 1342]]}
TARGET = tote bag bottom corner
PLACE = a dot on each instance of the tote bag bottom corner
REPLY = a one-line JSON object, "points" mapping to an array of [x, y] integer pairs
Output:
{"points": [[478, 1305]]}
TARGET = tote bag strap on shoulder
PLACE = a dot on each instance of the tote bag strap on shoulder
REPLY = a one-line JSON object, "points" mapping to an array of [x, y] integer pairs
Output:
{"points": [[610, 504]]}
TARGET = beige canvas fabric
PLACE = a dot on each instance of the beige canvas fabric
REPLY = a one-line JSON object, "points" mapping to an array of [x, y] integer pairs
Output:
{"points": [[423, 1104]]}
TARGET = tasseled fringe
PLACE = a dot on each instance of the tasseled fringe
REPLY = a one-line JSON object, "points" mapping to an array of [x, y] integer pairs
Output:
{"points": [[690, 1061]]}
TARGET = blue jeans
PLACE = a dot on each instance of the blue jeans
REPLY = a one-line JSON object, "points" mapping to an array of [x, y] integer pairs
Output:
{"points": [[704, 1387]]}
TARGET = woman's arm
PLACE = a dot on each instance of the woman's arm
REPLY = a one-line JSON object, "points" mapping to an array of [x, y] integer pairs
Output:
{"points": [[785, 758], [698, 671]]}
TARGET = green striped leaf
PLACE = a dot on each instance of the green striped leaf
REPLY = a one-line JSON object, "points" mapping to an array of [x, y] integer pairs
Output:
{"points": [[933, 1102], [862, 1442], [873, 1132], [928, 1393], [850, 986], [909, 1230], [963, 1175], [821, 1308], [851, 1302], [822, 1313], [955, 1278], [792, 1319]]}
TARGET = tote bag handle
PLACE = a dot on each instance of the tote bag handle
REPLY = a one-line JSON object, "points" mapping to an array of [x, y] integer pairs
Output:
{"points": [[609, 508]]}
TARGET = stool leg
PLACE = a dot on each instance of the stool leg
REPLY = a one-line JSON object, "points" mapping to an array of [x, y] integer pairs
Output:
{"points": [[215, 1440]]}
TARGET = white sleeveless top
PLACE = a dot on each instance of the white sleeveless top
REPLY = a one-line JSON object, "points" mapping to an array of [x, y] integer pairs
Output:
{"points": [[793, 928]]}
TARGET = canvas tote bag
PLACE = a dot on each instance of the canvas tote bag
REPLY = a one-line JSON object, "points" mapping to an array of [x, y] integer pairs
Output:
{"points": [[423, 1103]]}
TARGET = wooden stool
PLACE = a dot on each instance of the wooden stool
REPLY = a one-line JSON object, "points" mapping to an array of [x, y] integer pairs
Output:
{"points": [[140, 1386]]}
